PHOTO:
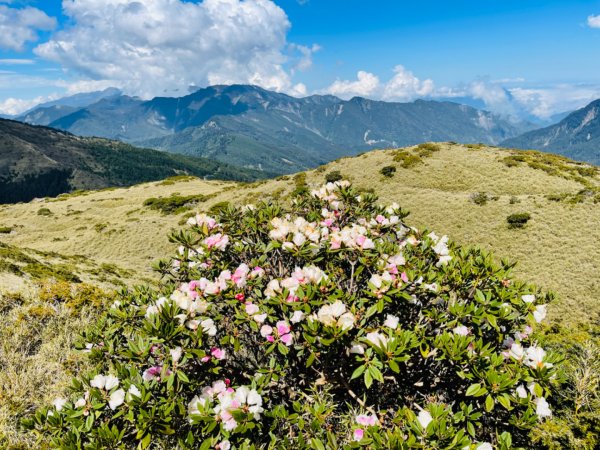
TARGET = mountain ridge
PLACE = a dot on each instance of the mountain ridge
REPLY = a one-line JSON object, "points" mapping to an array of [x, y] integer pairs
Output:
{"points": [[576, 136], [39, 161], [256, 128]]}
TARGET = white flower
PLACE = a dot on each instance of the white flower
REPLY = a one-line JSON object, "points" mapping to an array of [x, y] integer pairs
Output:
{"points": [[357, 348], [133, 391], [224, 445], [391, 321], [116, 399], [151, 310], [266, 330], [59, 403], [534, 358], [516, 351], [424, 419], [251, 308], [346, 321], [461, 330], [542, 408], [80, 403], [484, 446], [521, 391], [539, 313], [260, 318], [377, 339], [338, 308], [98, 381], [298, 316], [110, 382], [299, 239], [176, 353], [529, 298], [208, 326], [272, 289]]}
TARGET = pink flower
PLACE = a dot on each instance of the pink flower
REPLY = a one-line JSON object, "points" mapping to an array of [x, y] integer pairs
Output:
{"points": [[153, 373], [404, 277], [257, 272], [270, 339], [251, 308], [282, 328], [217, 353], [205, 359], [287, 339], [359, 433], [367, 420], [218, 241], [240, 297]]}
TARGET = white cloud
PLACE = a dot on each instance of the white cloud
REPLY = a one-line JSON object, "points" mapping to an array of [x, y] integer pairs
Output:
{"points": [[21, 25], [165, 46], [405, 86], [16, 106], [16, 62], [544, 102], [365, 85], [593, 21]]}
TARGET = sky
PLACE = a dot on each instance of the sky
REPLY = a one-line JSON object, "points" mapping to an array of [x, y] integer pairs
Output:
{"points": [[524, 59]]}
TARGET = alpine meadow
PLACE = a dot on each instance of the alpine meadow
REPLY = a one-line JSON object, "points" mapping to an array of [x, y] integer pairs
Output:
{"points": [[285, 224]]}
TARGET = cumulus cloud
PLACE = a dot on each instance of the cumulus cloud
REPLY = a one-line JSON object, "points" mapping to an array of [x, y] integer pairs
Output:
{"points": [[365, 84], [166, 46], [21, 25], [593, 21], [15, 106], [546, 101], [405, 86]]}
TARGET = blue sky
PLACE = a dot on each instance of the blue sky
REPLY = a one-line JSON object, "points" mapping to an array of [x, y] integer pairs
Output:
{"points": [[521, 58]]}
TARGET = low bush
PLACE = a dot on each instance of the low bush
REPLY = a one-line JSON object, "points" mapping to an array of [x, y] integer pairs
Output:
{"points": [[174, 204], [481, 198], [407, 159], [333, 176], [388, 171], [5, 230], [44, 212], [518, 220], [327, 324]]}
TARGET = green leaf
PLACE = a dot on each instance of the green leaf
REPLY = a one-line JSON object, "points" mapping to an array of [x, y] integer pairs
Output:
{"points": [[358, 372], [489, 403]]}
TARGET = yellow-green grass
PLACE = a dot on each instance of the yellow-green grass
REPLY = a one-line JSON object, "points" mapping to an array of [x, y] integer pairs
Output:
{"points": [[559, 249]]}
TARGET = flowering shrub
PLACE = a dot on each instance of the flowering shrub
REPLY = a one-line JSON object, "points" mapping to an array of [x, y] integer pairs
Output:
{"points": [[329, 324]]}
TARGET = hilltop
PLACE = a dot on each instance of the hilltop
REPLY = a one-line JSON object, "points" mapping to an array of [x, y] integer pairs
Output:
{"points": [[38, 161], [466, 192], [576, 136], [252, 127]]}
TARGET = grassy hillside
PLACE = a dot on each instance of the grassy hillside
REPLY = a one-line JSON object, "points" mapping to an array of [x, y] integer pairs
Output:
{"points": [[466, 192]]}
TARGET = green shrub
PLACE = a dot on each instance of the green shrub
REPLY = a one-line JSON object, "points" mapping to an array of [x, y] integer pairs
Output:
{"points": [[44, 212], [427, 149], [388, 171], [481, 198], [326, 324], [5, 230], [406, 159], [219, 207], [518, 220], [174, 204], [333, 176]]}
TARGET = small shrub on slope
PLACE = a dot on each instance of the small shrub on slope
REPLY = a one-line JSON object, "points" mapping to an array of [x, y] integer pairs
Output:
{"points": [[330, 324]]}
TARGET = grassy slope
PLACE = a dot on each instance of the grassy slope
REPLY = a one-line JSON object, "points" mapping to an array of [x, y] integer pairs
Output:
{"points": [[559, 249]]}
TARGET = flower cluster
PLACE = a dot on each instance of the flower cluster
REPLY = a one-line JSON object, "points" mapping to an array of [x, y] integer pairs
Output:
{"points": [[332, 313]]}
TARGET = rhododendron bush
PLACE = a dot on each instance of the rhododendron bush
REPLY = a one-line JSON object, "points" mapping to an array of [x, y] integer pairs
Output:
{"points": [[326, 324]]}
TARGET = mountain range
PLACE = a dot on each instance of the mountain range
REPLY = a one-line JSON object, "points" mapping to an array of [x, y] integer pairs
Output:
{"points": [[37, 161], [577, 136], [255, 128]]}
